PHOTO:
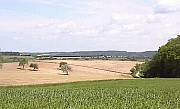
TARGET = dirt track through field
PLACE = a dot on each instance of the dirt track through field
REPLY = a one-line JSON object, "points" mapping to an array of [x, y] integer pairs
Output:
{"points": [[48, 72]]}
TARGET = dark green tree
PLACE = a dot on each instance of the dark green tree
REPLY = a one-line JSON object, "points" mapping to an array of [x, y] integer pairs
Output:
{"points": [[166, 63]]}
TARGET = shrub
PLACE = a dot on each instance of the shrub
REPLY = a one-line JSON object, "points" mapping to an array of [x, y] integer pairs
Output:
{"points": [[34, 66], [137, 70]]}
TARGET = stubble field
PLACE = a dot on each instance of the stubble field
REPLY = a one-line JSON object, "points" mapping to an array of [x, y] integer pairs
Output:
{"points": [[48, 72]]}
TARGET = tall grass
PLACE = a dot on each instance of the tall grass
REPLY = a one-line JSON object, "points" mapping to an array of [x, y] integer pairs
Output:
{"points": [[115, 94]]}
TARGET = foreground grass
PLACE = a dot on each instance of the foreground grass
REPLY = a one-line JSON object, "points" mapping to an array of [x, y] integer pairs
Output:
{"points": [[115, 94]]}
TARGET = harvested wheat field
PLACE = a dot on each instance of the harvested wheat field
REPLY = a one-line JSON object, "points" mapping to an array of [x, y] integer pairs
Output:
{"points": [[48, 72]]}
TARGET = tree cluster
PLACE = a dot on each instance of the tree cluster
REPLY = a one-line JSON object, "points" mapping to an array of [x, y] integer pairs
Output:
{"points": [[65, 67], [166, 63]]}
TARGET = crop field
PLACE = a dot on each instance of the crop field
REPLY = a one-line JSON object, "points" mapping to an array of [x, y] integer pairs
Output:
{"points": [[49, 72], [111, 94], [114, 66]]}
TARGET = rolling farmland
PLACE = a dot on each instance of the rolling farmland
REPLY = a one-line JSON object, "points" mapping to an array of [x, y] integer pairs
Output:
{"points": [[48, 72]]}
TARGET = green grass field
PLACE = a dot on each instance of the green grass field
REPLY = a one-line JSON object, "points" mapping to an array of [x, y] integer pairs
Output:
{"points": [[115, 94]]}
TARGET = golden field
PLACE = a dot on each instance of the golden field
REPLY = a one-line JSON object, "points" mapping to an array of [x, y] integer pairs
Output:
{"points": [[48, 72]]}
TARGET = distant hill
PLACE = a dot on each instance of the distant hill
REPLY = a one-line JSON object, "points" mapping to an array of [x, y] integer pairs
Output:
{"points": [[10, 53], [104, 53]]}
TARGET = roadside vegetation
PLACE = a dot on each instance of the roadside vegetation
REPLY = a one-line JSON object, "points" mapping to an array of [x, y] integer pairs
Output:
{"points": [[115, 94], [136, 71], [166, 63]]}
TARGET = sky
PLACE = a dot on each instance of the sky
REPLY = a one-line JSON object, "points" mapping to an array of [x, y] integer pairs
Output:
{"points": [[82, 25]]}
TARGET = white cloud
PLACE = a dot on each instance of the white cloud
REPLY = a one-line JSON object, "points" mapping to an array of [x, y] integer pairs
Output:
{"points": [[112, 24], [169, 2], [165, 6], [49, 2]]}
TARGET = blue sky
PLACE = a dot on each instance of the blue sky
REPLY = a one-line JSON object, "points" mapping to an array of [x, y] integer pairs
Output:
{"points": [[77, 25]]}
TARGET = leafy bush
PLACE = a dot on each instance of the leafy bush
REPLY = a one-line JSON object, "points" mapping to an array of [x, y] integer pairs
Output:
{"points": [[136, 70], [34, 66]]}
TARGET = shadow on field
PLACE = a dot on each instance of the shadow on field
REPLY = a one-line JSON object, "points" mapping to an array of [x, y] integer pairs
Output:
{"points": [[62, 74], [20, 68]]}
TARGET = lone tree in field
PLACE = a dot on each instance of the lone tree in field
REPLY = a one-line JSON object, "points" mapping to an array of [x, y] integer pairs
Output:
{"points": [[65, 67], [34, 66], [62, 63], [23, 62]]}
